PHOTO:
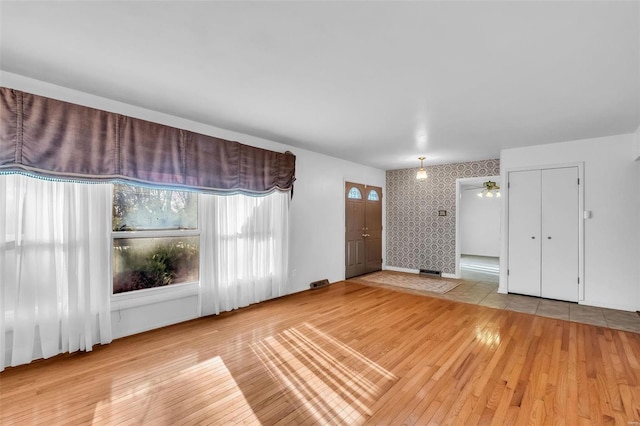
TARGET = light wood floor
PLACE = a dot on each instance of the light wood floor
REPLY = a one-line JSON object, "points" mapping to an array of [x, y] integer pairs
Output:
{"points": [[347, 354]]}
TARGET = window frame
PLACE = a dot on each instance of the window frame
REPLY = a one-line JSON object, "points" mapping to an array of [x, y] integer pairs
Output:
{"points": [[146, 296]]}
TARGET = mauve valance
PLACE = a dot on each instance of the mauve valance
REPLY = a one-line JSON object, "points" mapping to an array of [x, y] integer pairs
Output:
{"points": [[59, 139]]}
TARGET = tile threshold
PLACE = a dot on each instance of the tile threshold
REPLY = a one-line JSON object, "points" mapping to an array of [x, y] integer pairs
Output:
{"points": [[484, 293]]}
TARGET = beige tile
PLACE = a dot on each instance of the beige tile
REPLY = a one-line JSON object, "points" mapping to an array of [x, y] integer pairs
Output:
{"points": [[521, 298], [465, 285], [587, 315], [490, 287], [553, 309], [622, 320], [468, 298], [482, 294], [621, 315], [459, 291], [495, 294], [524, 308], [526, 304], [495, 302]]}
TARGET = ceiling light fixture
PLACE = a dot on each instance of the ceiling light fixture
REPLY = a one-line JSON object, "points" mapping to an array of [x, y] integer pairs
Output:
{"points": [[422, 173], [490, 190]]}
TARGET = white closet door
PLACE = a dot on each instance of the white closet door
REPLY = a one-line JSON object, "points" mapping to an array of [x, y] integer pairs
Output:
{"points": [[524, 232], [560, 224]]}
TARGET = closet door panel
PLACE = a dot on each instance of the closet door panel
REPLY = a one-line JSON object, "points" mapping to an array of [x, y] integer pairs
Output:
{"points": [[524, 232], [560, 227]]}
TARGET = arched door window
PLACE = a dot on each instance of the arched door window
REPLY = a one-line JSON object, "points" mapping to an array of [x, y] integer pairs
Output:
{"points": [[355, 194], [373, 195]]}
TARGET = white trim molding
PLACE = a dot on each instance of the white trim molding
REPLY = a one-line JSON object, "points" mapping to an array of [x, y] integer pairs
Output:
{"points": [[150, 296], [396, 269], [459, 183]]}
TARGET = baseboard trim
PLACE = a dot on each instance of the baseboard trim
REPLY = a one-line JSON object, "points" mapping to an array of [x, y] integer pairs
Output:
{"points": [[396, 269], [415, 271]]}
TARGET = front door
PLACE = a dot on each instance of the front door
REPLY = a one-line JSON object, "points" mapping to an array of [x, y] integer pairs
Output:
{"points": [[363, 238]]}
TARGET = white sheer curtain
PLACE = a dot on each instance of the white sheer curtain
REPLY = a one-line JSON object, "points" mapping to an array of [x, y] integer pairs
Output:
{"points": [[55, 251], [243, 250]]}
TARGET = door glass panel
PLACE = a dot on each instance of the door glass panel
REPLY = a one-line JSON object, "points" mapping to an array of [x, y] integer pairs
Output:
{"points": [[373, 195], [354, 193]]}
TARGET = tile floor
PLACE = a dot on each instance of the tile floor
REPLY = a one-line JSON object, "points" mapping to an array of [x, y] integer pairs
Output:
{"points": [[485, 294], [480, 285], [482, 273]]}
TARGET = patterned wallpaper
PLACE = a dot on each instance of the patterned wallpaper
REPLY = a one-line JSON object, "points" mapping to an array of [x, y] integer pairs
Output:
{"points": [[417, 238]]}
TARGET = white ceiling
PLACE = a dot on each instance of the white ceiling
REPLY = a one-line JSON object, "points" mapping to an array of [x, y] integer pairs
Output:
{"points": [[378, 83]]}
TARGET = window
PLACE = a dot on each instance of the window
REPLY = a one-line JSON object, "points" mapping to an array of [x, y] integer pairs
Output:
{"points": [[354, 193], [155, 237], [373, 195]]}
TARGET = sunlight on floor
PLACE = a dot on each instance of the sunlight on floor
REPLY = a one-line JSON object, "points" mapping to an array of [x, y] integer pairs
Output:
{"points": [[488, 337], [168, 399], [334, 383]]}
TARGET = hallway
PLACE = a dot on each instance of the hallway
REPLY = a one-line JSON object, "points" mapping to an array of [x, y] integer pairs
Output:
{"points": [[480, 268]]}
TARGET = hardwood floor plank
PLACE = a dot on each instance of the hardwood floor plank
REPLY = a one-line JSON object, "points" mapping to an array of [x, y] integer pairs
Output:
{"points": [[346, 354]]}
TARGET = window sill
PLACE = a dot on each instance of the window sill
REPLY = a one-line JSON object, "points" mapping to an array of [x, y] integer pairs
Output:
{"points": [[153, 295]]}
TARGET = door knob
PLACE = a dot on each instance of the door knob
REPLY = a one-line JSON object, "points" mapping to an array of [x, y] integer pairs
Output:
{"points": [[548, 238], [365, 235], [533, 238]]}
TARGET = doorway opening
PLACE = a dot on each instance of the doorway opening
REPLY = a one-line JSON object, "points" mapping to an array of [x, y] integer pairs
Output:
{"points": [[480, 268], [477, 230]]}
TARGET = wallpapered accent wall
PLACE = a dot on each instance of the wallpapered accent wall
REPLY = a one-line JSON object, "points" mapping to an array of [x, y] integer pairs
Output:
{"points": [[417, 238]]}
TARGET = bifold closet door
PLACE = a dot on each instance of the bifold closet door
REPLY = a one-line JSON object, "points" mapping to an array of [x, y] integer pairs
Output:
{"points": [[544, 220], [560, 227], [524, 232]]}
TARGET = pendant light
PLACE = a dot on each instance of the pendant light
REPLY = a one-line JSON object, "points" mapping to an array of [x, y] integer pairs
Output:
{"points": [[422, 173]]}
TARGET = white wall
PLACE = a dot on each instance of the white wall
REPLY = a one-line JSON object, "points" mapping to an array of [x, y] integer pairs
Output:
{"points": [[636, 147], [317, 209], [637, 158], [611, 247], [479, 223]]}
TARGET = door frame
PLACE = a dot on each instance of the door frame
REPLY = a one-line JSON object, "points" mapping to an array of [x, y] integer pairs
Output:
{"points": [[460, 182], [343, 202], [504, 227]]}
